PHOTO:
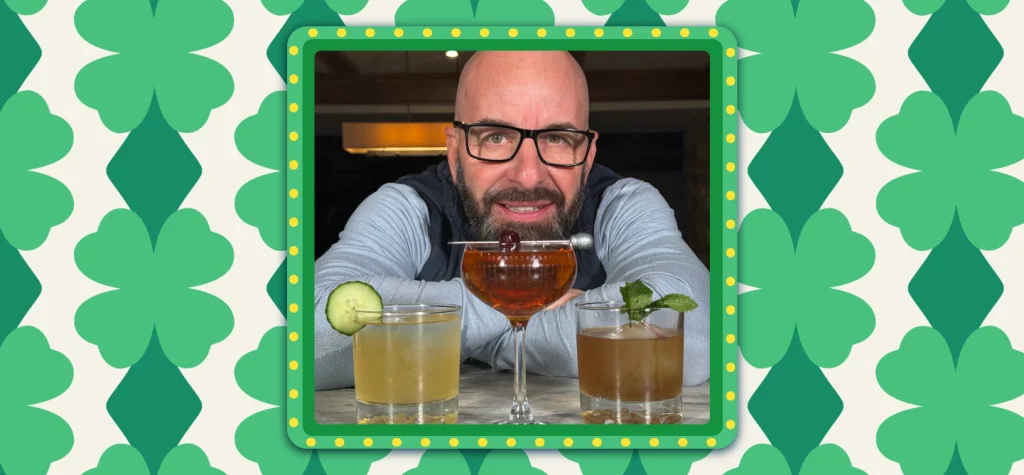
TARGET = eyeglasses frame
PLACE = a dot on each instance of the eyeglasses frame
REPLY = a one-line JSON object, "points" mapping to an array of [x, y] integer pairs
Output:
{"points": [[523, 135]]}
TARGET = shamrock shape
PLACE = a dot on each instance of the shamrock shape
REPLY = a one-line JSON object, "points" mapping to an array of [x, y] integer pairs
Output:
{"points": [[441, 462], [260, 139], [797, 56], [954, 170], [341, 7], [261, 437], [31, 372], [614, 462], [124, 459], [795, 288], [983, 7], [154, 53], [488, 12], [30, 138], [661, 7], [26, 7], [764, 459], [955, 403], [153, 287]]}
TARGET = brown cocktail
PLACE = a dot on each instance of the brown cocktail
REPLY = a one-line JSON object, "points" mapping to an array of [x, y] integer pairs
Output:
{"points": [[631, 372]]}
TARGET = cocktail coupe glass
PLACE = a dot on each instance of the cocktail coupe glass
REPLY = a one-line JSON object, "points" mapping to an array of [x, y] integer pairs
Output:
{"points": [[519, 280]]}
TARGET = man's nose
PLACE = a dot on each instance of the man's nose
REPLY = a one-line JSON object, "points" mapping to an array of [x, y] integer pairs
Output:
{"points": [[527, 169]]}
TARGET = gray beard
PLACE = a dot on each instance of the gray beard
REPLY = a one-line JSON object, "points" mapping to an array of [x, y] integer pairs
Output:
{"points": [[486, 228]]}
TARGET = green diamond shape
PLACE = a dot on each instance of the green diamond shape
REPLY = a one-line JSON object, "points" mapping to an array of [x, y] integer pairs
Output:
{"points": [[20, 54], [20, 290], [633, 13], [955, 54], [277, 289], [795, 170], [154, 170], [312, 12], [955, 288], [154, 405], [795, 405]]}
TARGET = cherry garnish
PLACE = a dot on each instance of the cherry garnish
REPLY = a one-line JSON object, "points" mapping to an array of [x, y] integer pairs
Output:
{"points": [[509, 241]]}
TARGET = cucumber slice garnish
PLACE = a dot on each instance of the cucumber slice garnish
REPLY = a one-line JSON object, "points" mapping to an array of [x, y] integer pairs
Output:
{"points": [[345, 300]]}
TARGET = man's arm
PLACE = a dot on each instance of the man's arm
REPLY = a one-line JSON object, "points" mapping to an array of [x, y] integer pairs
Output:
{"points": [[637, 238], [384, 244]]}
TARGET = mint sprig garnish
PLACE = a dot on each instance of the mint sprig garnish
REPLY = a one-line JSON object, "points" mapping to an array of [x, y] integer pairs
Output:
{"points": [[638, 305]]}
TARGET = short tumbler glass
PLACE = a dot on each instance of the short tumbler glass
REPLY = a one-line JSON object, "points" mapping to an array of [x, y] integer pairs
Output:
{"points": [[630, 372], [407, 364]]}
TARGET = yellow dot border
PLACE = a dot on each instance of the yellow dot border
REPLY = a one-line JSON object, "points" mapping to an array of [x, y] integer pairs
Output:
{"points": [[721, 45]]}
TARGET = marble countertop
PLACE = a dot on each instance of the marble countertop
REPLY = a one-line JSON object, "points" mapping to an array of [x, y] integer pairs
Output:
{"points": [[486, 396]]}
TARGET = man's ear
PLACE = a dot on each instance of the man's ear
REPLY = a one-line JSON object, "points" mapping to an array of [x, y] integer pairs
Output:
{"points": [[452, 143], [591, 155]]}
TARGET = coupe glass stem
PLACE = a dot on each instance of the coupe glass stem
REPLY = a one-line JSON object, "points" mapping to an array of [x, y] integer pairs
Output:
{"points": [[520, 406]]}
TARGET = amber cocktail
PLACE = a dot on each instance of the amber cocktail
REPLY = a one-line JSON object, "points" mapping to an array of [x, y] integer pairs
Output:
{"points": [[519, 281]]}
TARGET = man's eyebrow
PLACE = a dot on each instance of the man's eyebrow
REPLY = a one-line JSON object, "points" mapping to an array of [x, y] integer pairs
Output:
{"points": [[561, 125], [490, 121]]}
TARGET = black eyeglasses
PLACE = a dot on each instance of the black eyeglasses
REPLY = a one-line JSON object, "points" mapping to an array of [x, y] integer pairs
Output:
{"points": [[557, 147]]}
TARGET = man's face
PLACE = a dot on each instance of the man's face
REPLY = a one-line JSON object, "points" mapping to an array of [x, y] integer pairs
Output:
{"points": [[538, 201], [537, 213]]}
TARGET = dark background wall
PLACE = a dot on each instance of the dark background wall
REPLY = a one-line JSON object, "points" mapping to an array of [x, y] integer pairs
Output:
{"points": [[659, 133]]}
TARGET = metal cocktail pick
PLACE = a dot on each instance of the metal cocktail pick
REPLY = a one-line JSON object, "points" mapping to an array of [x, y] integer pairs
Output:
{"points": [[578, 241]]}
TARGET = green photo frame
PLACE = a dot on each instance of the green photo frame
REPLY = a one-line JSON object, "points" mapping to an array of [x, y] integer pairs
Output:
{"points": [[718, 432]]}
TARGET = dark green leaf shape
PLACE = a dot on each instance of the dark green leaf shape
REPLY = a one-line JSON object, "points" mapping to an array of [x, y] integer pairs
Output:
{"points": [[795, 288], [154, 54], [955, 267], [955, 403], [154, 405], [160, 281], [441, 462], [955, 67], [25, 355], [677, 302], [927, 7], [765, 459], [669, 462], [500, 462], [600, 462], [775, 405], [125, 460], [31, 138], [20, 290], [955, 170], [488, 13], [797, 55], [18, 62], [662, 7], [261, 140]]}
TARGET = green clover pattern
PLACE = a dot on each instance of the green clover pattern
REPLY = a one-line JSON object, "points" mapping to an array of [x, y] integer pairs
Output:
{"points": [[39, 202], [795, 288], [25, 355], [261, 140], [153, 287], [796, 56], [154, 54], [261, 437], [765, 459], [124, 459], [955, 403], [952, 177]]}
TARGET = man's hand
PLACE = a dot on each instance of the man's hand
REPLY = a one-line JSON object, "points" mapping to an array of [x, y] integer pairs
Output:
{"points": [[571, 294]]}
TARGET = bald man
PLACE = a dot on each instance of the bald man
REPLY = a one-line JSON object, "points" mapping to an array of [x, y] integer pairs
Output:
{"points": [[520, 157]]}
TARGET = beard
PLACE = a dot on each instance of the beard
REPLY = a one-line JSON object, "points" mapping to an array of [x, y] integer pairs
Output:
{"points": [[488, 228]]}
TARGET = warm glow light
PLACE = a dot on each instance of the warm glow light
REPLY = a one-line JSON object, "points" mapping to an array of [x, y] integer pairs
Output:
{"points": [[396, 138], [451, 54]]}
